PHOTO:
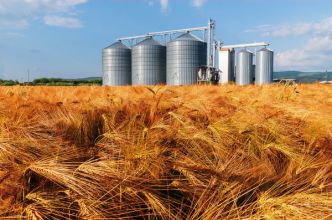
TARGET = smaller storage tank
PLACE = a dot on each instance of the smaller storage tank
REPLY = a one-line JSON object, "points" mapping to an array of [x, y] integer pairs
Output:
{"points": [[148, 63], [226, 65], [117, 65], [244, 67], [264, 67]]}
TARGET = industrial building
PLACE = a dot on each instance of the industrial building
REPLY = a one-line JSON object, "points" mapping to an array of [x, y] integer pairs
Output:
{"points": [[185, 59], [227, 65]]}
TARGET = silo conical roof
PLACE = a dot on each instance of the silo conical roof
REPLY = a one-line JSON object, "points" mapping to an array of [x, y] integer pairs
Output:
{"points": [[245, 51], [187, 37], [265, 49], [149, 41], [117, 45]]}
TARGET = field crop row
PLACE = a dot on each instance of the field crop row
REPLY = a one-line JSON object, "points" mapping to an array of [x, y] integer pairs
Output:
{"points": [[196, 152]]}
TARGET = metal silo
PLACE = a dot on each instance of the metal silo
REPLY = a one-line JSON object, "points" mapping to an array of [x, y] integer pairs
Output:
{"points": [[117, 65], [244, 68], [184, 55], [148, 63], [264, 66]]}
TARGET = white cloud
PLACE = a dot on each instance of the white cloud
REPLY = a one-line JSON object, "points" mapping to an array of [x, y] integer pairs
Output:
{"points": [[164, 5], [25, 7], [199, 3], [21, 12], [315, 55], [53, 5], [13, 23], [304, 28], [320, 43], [62, 21]]}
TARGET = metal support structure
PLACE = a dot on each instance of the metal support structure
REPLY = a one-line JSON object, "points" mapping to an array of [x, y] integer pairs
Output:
{"points": [[259, 44], [210, 43], [208, 30], [133, 38], [164, 33], [177, 31], [216, 46]]}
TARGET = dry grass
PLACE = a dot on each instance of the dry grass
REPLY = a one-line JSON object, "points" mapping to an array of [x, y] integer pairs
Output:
{"points": [[166, 152]]}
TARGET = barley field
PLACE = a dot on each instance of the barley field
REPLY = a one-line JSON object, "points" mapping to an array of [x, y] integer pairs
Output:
{"points": [[198, 152]]}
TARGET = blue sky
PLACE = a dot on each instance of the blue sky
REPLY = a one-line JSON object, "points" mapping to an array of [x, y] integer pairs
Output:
{"points": [[64, 38]]}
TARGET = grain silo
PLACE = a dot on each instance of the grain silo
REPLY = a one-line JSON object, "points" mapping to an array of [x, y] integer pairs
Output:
{"points": [[148, 63], [244, 68], [117, 65], [264, 67], [184, 55]]}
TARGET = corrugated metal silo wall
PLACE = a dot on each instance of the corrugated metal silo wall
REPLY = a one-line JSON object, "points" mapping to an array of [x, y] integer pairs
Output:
{"points": [[116, 66], [244, 68], [264, 67], [183, 59], [253, 70], [232, 65], [148, 64]]}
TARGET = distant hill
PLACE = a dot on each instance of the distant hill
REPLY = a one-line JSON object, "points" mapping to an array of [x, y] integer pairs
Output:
{"points": [[304, 77]]}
